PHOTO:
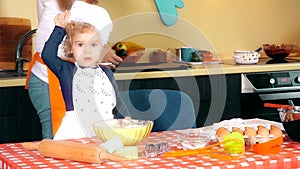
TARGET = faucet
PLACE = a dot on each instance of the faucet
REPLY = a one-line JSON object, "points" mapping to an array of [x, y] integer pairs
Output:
{"points": [[19, 59]]}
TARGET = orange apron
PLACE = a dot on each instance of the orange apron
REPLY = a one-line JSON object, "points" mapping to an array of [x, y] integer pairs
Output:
{"points": [[57, 102]]}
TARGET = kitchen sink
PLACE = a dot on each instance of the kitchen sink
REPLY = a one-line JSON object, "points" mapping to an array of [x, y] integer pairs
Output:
{"points": [[5, 73]]}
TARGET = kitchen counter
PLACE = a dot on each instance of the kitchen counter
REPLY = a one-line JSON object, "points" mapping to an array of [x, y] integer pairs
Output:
{"points": [[180, 70]]}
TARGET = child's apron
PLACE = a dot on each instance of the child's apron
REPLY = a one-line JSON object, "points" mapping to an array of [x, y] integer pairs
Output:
{"points": [[93, 99]]}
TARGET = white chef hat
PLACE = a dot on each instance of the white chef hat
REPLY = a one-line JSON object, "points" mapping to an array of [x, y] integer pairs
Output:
{"points": [[94, 15]]}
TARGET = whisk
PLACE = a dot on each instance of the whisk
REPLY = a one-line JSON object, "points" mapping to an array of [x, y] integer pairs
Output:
{"points": [[216, 150]]}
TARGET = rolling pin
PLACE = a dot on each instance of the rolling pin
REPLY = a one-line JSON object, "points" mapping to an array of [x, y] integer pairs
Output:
{"points": [[70, 150]]}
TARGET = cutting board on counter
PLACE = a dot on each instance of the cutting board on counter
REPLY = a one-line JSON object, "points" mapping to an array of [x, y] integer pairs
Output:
{"points": [[149, 67], [11, 31]]}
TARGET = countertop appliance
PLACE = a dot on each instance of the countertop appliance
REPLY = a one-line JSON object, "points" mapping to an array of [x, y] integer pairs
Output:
{"points": [[272, 87]]}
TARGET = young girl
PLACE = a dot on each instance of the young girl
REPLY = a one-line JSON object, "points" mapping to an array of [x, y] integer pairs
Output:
{"points": [[49, 105], [90, 91]]}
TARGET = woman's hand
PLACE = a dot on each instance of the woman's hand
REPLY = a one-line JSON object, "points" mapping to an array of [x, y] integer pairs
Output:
{"points": [[62, 19], [111, 57]]}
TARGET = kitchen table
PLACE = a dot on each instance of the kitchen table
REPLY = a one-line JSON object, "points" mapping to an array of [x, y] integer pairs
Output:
{"points": [[14, 156]]}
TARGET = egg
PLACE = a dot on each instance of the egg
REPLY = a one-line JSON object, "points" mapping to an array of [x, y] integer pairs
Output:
{"points": [[222, 132], [249, 132], [260, 127], [262, 131], [220, 129], [236, 129], [276, 131]]}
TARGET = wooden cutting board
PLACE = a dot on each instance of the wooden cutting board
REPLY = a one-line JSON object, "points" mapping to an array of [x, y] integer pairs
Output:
{"points": [[11, 31]]}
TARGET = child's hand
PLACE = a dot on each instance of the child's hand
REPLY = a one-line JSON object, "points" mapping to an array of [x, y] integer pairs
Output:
{"points": [[62, 19], [289, 117]]}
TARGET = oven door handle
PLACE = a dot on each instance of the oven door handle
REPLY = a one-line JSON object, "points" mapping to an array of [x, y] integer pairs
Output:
{"points": [[280, 96], [279, 89]]}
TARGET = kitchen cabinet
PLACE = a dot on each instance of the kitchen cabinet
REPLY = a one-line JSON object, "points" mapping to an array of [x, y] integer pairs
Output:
{"points": [[215, 97], [232, 107], [18, 119]]}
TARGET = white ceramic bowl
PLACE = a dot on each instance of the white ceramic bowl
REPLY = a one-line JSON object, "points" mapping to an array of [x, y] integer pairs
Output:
{"points": [[246, 57]]}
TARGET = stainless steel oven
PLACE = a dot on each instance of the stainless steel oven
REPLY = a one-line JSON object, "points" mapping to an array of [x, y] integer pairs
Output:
{"points": [[272, 87]]}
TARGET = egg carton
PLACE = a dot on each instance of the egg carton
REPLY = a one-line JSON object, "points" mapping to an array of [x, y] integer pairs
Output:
{"points": [[241, 125]]}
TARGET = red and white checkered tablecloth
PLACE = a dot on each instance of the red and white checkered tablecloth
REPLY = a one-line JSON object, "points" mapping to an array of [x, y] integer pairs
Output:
{"points": [[14, 156]]}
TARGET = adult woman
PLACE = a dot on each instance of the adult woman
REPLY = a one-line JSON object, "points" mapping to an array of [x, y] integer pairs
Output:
{"points": [[49, 105]]}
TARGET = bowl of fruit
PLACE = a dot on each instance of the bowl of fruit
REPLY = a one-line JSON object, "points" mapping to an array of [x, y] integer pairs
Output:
{"points": [[278, 51]]}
